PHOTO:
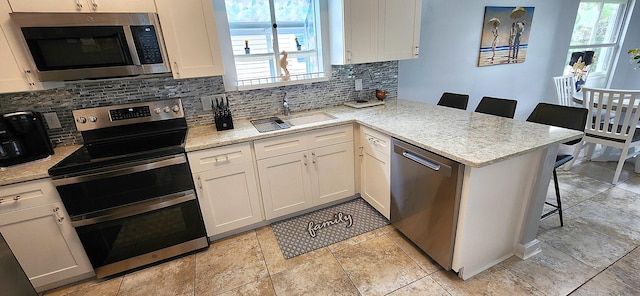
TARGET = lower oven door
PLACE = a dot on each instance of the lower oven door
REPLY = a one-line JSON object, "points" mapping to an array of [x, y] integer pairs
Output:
{"points": [[133, 214], [140, 234]]}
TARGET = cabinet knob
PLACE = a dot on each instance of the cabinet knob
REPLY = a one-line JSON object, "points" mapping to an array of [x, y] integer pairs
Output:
{"points": [[94, 4], [16, 198]]}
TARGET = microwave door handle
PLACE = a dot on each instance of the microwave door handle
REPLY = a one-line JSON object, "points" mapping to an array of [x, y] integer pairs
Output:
{"points": [[133, 51]]}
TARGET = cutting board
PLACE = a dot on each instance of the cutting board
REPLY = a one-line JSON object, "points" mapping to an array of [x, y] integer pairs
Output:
{"points": [[357, 105]]}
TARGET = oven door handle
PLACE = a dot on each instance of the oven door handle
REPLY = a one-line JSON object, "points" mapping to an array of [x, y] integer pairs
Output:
{"points": [[132, 210], [123, 170]]}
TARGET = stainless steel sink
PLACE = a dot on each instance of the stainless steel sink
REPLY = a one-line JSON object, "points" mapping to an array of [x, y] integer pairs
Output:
{"points": [[308, 118], [274, 123], [269, 124]]}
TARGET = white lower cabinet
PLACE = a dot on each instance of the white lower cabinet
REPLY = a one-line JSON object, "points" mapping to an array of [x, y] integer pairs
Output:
{"points": [[39, 232], [286, 184], [310, 169], [226, 186], [375, 169]]}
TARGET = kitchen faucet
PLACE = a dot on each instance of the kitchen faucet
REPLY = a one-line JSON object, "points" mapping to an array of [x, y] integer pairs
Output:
{"points": [[285, 103]]}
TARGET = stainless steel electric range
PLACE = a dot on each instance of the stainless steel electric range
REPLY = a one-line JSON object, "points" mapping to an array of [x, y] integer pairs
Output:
{"points": [[128, 190]]}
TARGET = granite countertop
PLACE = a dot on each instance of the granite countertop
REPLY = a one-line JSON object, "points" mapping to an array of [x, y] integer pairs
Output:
{"points": [[37, 169], [471, 138]]}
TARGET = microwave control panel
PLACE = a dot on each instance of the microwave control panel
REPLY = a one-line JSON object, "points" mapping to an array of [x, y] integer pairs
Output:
{"points": [[147, 44]]}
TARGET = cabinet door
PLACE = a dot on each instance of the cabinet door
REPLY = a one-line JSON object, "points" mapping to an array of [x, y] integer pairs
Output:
{"points": [[332, 173], [82, 6], [375, 181], [399, 16], [361, 31], [375, 169], [15, 75], [189, 32], [285, 184], [11, 77], [229, 197], [45, 244]]}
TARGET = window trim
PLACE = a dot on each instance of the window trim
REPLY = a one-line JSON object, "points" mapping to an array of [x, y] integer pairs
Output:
{"points": [[230, 75], [615, 46]]}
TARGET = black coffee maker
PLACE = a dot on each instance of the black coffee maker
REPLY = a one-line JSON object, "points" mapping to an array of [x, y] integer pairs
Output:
{"points": [[23, 138]]}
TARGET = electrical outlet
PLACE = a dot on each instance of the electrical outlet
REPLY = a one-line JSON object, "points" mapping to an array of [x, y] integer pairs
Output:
{"points": [[358, 84], [207, 102], [219, 98], [52, 120]]}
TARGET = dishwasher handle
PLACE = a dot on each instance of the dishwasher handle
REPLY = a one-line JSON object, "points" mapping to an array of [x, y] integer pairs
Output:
{"points": [[435, 163], [432, 165]]}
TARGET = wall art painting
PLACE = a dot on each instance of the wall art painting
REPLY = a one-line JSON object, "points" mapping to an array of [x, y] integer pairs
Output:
{"points": [[505, 35]]}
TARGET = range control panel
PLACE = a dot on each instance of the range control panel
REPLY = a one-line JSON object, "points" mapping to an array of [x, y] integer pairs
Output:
{"points": [[108, 116]]}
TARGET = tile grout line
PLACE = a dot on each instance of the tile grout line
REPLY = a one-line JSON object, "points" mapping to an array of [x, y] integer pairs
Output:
{"points": [[265, 262], [603, 270], [342, 267], [427, 274]]}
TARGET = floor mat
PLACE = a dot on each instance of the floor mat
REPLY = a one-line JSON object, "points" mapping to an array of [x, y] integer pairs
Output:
{"points": [[320, 228]]}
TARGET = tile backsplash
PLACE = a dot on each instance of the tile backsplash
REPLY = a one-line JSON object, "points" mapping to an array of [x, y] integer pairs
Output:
{"points": [[244, 104]]}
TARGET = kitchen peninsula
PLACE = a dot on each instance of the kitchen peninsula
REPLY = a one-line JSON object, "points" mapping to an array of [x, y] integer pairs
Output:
{"points": [[508, 165]]}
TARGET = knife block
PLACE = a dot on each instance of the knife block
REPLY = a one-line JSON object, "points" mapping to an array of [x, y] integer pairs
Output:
{"points": [[223, 122]]}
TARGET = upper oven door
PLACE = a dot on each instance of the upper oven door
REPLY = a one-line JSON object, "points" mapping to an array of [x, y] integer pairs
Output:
{"points": [[79, 46], [97, 193]]}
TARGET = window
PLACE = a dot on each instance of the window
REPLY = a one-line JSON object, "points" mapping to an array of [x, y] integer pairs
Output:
{"points": [[597, 29], [262, 31]]}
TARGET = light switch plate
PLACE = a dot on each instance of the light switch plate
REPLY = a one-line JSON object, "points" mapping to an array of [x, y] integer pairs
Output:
{"points": [[207, 102], [358, 84], [52, 120]]}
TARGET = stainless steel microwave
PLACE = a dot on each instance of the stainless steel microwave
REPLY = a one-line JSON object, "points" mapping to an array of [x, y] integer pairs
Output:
{"points": [[72, 46]]}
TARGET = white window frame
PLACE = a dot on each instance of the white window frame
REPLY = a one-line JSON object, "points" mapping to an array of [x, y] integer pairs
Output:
{"points": [[605, 76], [230, 77]]}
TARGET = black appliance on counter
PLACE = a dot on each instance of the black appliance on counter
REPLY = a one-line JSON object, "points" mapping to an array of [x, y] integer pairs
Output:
{"points": [[23, 138], [128, 190]]}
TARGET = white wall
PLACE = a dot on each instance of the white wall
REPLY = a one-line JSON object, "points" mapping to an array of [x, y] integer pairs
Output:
{"points": [[449, 44], [625, 77]]}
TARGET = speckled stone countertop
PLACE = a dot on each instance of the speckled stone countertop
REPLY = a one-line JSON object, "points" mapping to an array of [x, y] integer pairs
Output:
{"points": [[37, 169], [471, 138]]}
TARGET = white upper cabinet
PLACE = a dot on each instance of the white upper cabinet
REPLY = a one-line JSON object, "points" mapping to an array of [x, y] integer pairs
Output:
{"points": [[82, 5], [365, 31], [16, 75], [399, 29], [190, 34], [11, 76]]}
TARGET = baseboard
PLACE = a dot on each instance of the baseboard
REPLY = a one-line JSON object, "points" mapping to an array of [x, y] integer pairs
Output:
{"points": [[269, 222], [532, 248]]}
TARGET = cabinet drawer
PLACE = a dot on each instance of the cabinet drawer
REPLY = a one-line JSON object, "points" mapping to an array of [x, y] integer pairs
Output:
{"points": [[279, 145], [374, 141], [26, 195], [203, 160], [330, 136]]}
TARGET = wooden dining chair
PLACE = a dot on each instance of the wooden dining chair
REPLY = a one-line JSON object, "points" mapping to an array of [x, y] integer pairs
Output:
{"points": [[614, 116], [453, 100], [562, 116], [565, 89], [497, 106]]}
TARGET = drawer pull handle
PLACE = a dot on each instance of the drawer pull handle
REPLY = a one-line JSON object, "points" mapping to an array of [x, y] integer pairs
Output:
{"points": [[56, 211]]}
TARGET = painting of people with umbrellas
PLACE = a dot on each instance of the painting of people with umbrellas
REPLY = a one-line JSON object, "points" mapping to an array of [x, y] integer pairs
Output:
{"points": [[505, 35]]}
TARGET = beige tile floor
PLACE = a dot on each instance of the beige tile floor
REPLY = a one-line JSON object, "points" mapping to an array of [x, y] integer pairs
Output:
{"points": [[595, 253]]}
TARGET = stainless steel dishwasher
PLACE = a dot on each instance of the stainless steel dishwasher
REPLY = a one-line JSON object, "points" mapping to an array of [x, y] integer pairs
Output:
{"points": [[425, 198]]}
